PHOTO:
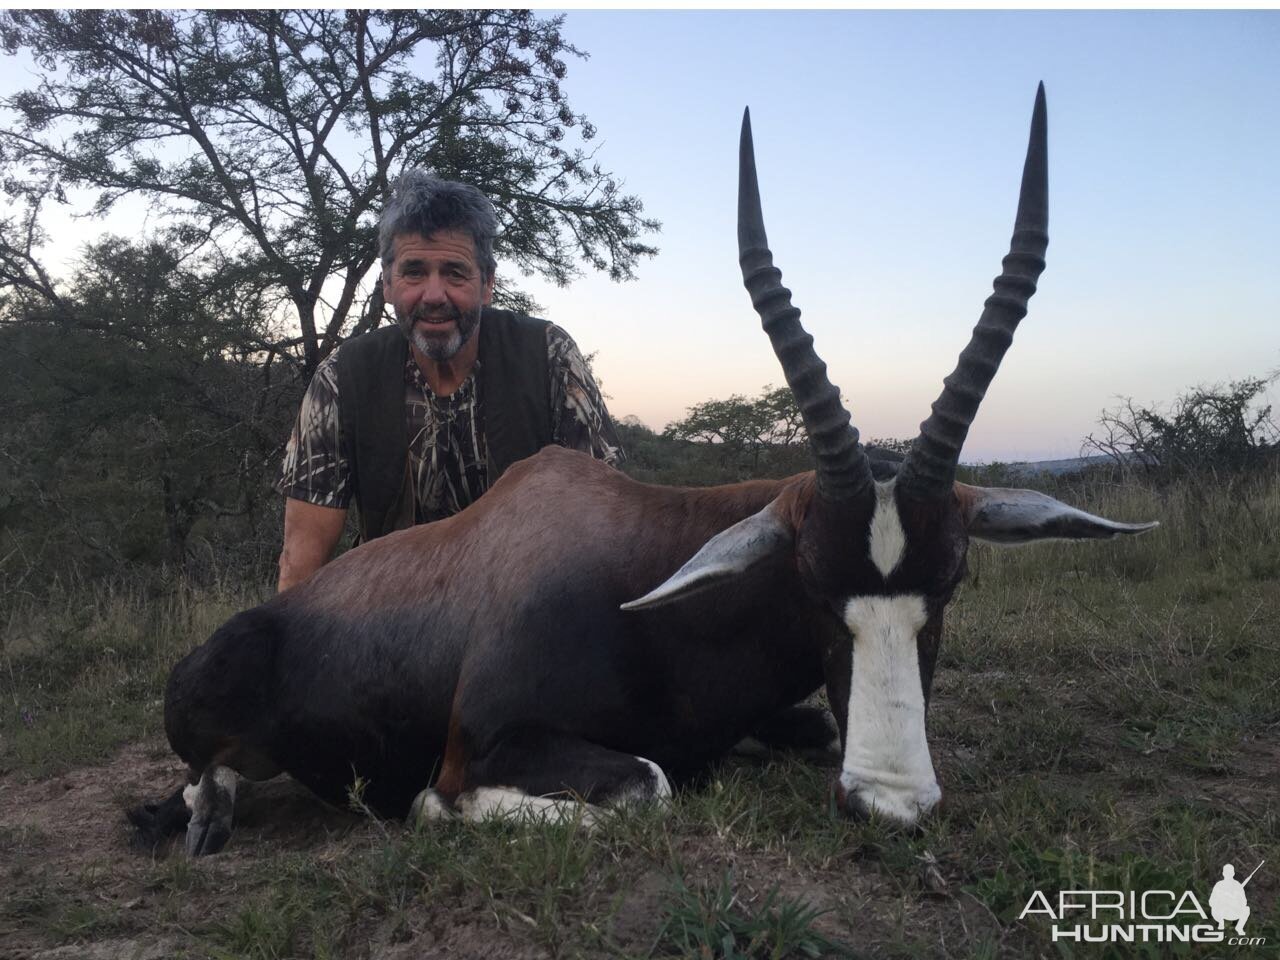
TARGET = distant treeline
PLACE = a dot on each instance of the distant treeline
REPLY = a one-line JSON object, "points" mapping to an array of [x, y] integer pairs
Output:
{"points": [[121, 457]]}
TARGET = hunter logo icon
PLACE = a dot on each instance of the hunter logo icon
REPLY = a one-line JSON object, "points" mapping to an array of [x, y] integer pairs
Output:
{"points": [[1149, 916], [1228, 902]]}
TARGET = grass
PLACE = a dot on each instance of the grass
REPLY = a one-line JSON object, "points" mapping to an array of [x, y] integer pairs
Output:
{"points": [[709, 920], [561, 888], [1105, 715], [84, 672]]}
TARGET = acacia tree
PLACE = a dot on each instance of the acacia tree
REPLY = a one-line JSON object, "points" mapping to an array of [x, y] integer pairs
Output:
{"points": [[1221, 430], [741, 426], [269, 140]]}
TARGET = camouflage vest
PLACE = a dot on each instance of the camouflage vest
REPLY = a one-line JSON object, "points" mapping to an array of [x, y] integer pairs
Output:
{"points": [[514, 391]]}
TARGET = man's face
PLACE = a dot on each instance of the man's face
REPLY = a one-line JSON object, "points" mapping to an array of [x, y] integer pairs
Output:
{"points": [[434, 284]]}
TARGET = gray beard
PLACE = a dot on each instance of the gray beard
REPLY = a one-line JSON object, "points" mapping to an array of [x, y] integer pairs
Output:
{"points": [[440, 349]]}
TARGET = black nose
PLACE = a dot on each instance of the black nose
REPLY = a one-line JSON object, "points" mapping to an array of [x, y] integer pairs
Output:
{"points": [[849, 804]]}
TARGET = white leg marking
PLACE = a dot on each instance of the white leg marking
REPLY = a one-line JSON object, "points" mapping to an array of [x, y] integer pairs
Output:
{"points": [[428, 807], [508, 803], [202, 798], [888, 541], [886, 756]]}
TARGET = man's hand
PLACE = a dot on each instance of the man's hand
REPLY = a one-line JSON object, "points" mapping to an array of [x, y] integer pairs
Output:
{"points": [[310, 534]]}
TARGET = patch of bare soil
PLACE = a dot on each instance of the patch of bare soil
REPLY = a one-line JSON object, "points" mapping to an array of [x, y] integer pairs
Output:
{"points": [[873, 911], [73, 886], [466, 940]]}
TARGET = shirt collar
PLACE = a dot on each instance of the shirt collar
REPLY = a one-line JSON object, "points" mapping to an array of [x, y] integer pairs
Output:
{"points": [[413, 377]]}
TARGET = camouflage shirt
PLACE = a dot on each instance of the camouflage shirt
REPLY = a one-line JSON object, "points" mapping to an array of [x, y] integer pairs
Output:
{"points": [[447, 454]]}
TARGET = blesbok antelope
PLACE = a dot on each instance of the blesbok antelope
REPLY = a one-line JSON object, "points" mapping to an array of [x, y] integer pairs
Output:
{"points": [[575, 633]]}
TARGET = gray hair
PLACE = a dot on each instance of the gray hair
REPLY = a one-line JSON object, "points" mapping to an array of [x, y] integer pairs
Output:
{"points": [[423, 203]]}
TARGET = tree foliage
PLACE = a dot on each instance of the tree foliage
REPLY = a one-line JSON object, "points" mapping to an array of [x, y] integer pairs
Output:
{"points": [[743, 428], [888, 448], [1218, 429], [132, 427], [268, 139]]}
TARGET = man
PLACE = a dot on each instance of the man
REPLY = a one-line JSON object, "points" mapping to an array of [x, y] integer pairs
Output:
{"points": [[415, 422]]}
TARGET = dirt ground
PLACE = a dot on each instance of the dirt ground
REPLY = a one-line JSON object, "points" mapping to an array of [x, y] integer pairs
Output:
{"points": [[71, 885], [74, 887], [66, 842]]}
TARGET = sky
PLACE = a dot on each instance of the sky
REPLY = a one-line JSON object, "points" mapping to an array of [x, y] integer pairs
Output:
{"points": [[889, 146]]}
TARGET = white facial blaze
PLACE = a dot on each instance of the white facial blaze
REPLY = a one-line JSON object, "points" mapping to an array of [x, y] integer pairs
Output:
{"points": [[888, 541], [886, 756]]}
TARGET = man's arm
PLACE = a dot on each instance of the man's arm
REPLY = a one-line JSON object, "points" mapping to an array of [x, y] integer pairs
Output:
{"points": [[310, 535], [315, 479], [579, 419]]}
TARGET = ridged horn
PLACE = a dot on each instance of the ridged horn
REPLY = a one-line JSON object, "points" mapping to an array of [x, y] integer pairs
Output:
{"points": [[930, 468], [842, 467]]}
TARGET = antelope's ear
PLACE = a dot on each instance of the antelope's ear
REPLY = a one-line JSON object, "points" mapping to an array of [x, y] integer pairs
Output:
{"points": [[1008, 516], [728, 554]]}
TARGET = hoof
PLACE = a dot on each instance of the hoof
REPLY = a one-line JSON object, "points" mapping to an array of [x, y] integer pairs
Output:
{"points": [[208, 836], [212, 804]]}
